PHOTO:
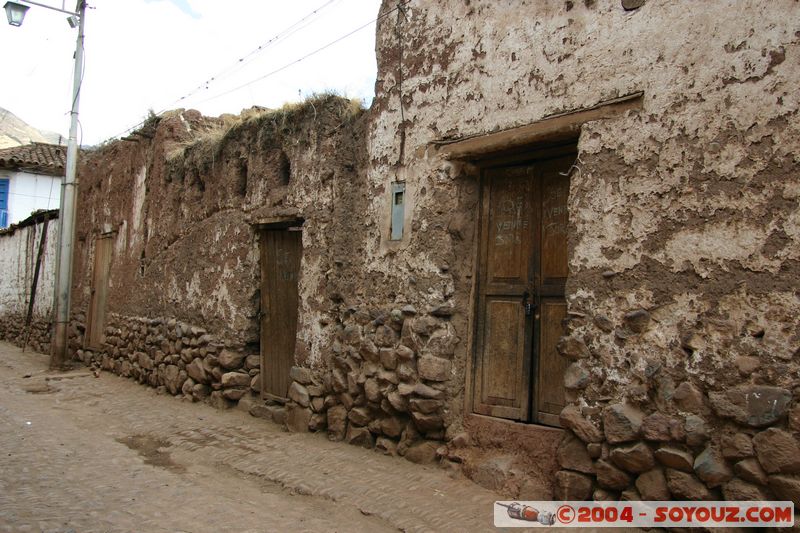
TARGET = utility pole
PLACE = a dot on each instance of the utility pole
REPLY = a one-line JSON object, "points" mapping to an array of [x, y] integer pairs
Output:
{"points": [[59, 345]]}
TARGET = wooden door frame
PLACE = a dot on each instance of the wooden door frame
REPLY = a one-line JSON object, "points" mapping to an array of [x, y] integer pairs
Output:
{"points": [[475, 170]]}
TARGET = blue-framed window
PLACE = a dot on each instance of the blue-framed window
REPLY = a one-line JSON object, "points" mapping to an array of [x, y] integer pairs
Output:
{"points": [[4, 184]]}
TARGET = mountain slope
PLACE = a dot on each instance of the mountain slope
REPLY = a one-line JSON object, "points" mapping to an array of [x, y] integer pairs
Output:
{"points": [[15, 132]]}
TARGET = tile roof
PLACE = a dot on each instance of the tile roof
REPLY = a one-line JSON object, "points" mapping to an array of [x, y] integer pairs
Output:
{"points": [[41, 157]]}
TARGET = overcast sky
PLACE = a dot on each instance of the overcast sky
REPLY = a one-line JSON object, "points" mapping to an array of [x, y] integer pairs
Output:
{"points": [[146, 54]]}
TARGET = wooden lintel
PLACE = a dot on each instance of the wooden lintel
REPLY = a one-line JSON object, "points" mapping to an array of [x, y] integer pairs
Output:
{"points": [[553, 127], [277, 222]]}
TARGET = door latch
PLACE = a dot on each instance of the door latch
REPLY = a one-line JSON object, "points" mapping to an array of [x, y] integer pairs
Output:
{"points": [[527, 305]]}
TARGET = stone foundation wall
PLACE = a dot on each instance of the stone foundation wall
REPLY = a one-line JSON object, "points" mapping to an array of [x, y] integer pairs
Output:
{"points": [[12, 329], [173, 356]]}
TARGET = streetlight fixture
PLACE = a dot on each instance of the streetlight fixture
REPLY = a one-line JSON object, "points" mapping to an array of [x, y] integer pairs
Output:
{"points": [[15, 13], [63, 286]]}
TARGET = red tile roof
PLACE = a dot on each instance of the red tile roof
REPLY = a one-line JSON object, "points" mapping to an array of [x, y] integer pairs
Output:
{"points": [[38, 157]]}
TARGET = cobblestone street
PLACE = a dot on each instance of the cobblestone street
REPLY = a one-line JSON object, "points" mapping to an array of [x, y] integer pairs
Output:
{"points": [[82, 454]]}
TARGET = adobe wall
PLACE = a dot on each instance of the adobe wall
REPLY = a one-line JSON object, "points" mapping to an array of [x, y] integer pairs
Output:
{"points": [[19, 251], [683, 248], [684, 225]]}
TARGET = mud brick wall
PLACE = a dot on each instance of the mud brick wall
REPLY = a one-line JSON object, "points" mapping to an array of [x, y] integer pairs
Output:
{"points": [[683, 239]]}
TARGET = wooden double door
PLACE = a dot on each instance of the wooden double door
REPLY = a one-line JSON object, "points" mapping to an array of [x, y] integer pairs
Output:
{"points": [[517, 371]]}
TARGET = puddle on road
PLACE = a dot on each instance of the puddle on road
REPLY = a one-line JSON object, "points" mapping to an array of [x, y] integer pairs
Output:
{"points": [[149, 448]]}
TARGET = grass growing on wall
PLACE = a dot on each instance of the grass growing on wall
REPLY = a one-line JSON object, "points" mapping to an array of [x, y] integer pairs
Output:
{"points": [[292, 124]]}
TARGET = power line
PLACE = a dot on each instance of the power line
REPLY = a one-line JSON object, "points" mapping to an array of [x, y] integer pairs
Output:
{"points": [[400, 5], [245, 59], [320, 49]]}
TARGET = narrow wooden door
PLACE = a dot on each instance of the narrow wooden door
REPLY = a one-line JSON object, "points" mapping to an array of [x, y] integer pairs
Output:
{"points": [[96, 317], [281, 250], [518, 374]]}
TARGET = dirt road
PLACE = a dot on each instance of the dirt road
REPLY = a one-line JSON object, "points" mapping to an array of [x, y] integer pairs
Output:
{"points": [[84, 454]]}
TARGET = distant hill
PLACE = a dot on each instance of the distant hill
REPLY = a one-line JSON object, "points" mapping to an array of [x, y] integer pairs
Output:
{"points": [[15, 132]]}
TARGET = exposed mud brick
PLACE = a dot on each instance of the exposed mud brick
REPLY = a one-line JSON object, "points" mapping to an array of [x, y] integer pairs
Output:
{"points": [[386, 446], [652, 485], [689, 398], [750, 470], [675, 458], [425, 422], [786, 488], [752, 405], [434, 368], [572, 486], [610, 477], [359, 416], [662, 428], [359, 436], [494, 473], [297, 418], [298, 393], [337, 422], [301, 375], [235, 379], [197, 372], [737, 446], [637, 321], [576, 377], [739, 490], [572, 455], [571, 418], [230, 359], [777, 451], [388, 357], [423, 452], [634, 458], [573, 348], [685, 486], [621, 423], [711, 467]]}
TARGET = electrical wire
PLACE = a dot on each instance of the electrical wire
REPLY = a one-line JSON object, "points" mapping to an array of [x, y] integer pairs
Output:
{"points": [[400, 5]]}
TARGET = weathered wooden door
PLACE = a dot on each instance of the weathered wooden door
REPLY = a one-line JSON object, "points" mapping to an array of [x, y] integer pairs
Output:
{"points": [[96, 317], [280, 266], [518, 374]]}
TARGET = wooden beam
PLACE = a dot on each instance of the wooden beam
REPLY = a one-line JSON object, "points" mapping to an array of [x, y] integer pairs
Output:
{"points": [[554, 127]]}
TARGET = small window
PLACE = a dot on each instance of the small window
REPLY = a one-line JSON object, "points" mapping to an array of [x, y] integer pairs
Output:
{"points": [[398, 210]]}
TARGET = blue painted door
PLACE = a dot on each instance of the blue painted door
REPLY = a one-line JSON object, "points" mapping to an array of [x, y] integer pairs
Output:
{"points": [[4, 203]]}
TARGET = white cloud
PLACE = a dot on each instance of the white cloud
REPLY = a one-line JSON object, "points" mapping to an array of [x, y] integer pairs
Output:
{"points": [[145, 54]]}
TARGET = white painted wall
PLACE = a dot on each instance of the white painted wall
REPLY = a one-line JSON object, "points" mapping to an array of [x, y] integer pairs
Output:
{"points": [[29, 192], [18, 251]]}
